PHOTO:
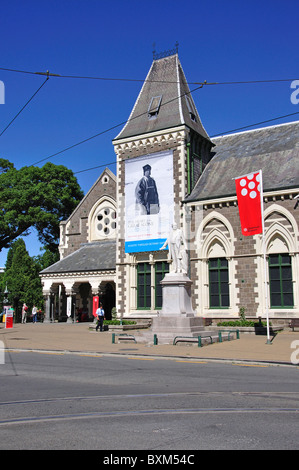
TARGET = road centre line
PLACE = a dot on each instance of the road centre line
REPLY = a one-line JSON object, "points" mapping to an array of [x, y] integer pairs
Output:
{"points": [[250, 365], [142, 358], [193, 362]]}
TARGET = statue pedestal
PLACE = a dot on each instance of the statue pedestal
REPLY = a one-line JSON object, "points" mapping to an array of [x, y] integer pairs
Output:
{"points": [[177, 317], [176, 295]]}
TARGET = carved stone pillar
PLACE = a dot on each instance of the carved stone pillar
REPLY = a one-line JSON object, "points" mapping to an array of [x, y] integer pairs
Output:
{"points": [[49, 306], [47, 298]]}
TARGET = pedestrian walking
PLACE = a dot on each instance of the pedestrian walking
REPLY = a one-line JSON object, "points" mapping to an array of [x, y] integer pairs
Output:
{"points": [[101, 317], [34, 314]]}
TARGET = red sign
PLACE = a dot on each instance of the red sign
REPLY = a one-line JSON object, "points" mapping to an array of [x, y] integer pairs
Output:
{"points": [[9, 319], [95, 305], [250, 199]]}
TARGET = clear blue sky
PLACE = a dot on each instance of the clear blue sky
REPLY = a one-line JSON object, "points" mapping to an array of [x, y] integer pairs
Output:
{"points": [[219, 41]]}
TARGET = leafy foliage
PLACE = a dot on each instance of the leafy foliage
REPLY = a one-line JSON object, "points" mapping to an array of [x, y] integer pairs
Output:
{"points": [[240, 323], [36, 197], [21, 275]]}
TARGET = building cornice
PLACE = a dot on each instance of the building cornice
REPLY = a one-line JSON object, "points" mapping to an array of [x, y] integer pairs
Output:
{"points": [[78, 274], [268, 195], [150, 138]]}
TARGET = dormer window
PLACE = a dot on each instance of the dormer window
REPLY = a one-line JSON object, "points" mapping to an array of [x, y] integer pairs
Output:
{"points": [[191, 108], [154, 107]]}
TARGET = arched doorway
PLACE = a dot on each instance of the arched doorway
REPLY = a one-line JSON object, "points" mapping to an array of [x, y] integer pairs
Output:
{"points": [[107, 298]]}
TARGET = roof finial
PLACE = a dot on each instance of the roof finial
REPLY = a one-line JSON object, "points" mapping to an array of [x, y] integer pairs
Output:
{"points": [[161, 55]]}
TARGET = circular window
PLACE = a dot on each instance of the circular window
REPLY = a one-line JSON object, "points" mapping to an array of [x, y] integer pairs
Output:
{"points": [[106, 221]]}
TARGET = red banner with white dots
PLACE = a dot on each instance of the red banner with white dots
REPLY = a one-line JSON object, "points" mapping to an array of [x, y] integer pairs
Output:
{"points": [[250, 197]]}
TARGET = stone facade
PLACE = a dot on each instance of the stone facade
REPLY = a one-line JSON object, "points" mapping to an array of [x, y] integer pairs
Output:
{"points": [[126, 287], [227, 268], [87, 256], [81, 225], [218, 234]]}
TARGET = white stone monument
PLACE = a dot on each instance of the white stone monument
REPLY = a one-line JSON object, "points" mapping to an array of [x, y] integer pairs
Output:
{"points": [[177, 317]]}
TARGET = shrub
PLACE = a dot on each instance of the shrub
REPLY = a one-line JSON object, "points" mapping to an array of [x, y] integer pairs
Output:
{"points": [[242, 313], [241, 323], [114, 313], [117, 322]]}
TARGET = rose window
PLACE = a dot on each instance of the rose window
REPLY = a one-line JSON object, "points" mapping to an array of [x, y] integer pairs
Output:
{"points": [[106, 221]]}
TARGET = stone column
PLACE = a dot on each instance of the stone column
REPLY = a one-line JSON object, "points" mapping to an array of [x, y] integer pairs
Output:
{"points": [[49, 303], [47, 307]]}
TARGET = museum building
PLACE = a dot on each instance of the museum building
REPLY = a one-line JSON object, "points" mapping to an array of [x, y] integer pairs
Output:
{"points": [[170, 171]]}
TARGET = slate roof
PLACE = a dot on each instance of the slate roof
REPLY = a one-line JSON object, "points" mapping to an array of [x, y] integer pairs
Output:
{"points": [[96, 256], [274, 150], [165, 78]]}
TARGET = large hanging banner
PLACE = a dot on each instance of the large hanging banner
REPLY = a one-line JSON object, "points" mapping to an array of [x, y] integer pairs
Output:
{"points": [[149, 198]]}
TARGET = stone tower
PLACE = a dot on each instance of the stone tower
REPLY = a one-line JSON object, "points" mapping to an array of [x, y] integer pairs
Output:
{"points": [[164, 122]]}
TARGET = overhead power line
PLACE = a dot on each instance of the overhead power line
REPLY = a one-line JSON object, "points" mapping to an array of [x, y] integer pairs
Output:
{"points": [[142, 80], [22, 109], [114, 162], [256, 124], [139, 115], [111, 128], [95, 167], [201, 84], [215, 135], [78, 143]]}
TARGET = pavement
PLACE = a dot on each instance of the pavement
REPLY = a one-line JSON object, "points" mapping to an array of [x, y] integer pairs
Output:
{"points": [[77, 338]]}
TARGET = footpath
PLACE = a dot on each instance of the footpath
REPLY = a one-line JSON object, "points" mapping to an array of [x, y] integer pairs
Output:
{"points": [[77, 338]]}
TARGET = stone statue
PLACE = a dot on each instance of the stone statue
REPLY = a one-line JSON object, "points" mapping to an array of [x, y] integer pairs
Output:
{"points": [[177, 250]]}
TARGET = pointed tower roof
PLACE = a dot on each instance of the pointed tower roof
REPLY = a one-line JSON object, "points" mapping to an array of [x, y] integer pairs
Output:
{"points": [[164, 102]]}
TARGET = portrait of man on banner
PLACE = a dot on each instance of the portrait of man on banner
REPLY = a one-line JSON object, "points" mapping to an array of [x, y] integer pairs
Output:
{"points": [[149, 201], [147, 198]]}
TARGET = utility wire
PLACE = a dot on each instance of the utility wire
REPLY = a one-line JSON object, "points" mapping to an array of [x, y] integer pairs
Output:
{"points": [[95, 167], [78, 143], [256, 124], [113, 163], [215, 135], [24, 107], [111, 128], [201, 84], [124, 122], [141, 80]]}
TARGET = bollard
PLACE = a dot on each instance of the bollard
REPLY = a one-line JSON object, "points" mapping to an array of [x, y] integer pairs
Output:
{"points": [[113, 338], [199, 341], [220, 337], [155, 339]]}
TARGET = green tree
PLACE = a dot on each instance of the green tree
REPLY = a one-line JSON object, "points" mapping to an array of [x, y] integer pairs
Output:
{"points": [[36, 197], [47, 258], [21, 277]]}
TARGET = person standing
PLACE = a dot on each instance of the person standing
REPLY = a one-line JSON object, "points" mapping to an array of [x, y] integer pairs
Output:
{"points": [[24, 313], [101, 316], [34, 314]]}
